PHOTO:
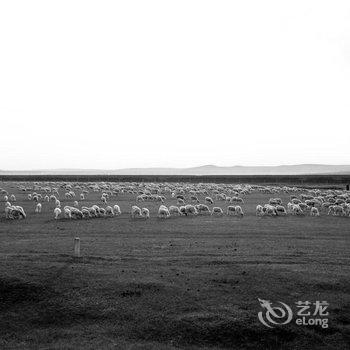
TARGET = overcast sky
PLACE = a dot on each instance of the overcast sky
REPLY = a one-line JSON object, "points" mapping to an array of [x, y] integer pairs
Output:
{"points": [[114, 84]]}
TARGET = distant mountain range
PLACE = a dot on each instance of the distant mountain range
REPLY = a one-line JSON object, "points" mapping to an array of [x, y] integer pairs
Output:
{"points": [[299, 169]]}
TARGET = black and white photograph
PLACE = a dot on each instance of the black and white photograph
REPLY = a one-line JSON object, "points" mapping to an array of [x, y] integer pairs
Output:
{"points": [[174, 175]]}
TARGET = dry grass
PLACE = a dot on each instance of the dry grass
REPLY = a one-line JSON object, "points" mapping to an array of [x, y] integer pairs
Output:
{"points": [[184, 283]]}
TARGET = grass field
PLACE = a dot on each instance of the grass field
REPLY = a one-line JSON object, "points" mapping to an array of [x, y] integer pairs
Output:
{"points": [[180, 283]]}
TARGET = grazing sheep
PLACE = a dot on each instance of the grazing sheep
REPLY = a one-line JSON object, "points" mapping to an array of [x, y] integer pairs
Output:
{"points": [[209, 200], [314, 212], [145, 213], [203, 209], [13, 198], [82, 197], [180, 201], [238, 211], [38, 208], [116, 210], [174, 210], [163, 212], [57, 212], [109, 211], [336, 210], [281, 210], [231, 210], [194, 199], [217, 211], [191, 209], [259, 211], [67, 213], [76, 204], [29, 197], [86, 213], [275, 201], [135, 212], [14, 212], [296, 210]]}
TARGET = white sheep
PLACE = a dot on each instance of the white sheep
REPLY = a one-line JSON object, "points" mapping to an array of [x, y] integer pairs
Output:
{"points": [[57, 212], [203, 209], [145, 213], [314, 212], [259, 211], [38, 208], [174, 210], [209, 200], [217, 211], [117, 210], [135, 212], [109, 211], [163, 212]]}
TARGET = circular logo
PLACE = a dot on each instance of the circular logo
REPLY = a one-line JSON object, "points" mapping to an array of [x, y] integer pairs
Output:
{"points": [[274, 315]]}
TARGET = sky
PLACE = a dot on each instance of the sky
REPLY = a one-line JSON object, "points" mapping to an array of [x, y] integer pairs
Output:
{"points": [[117, 84]]}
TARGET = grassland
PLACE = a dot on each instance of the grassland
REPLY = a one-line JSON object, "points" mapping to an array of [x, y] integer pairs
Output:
{"points": [[181, 283]]}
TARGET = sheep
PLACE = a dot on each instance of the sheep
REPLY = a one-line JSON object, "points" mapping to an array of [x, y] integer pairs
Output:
{"points": [[191, 209], [259, 210], [57, 212], [104, 199], [217, 211], [135, 212], [116, 210], [145, 213], [174, 210], [15, 212], [269, 210], [209, 200], [86, 213], [92, 211], [274, 201], [180, 201], [163, 212], [67, 213], [38, 208], [296, 210], [203, 209], [29, 197], [336, 210], [238, 211], [13, 198], [230, 210], [237, 199], [6, 198], [76, 204], [82, 197], [281, 210], [76, 213], [194, 199], [57, 203], [314, 212], [46, 198], [101, 212], [109, 211]]}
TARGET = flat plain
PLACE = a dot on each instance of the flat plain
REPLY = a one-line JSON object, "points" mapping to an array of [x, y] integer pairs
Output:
{"points": [[177, 283]]}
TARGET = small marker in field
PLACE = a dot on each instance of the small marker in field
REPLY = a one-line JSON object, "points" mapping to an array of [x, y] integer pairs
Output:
{"points": [[77, 247]]}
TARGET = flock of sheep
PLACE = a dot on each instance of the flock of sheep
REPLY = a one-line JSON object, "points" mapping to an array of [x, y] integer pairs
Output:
{"points": [[302, 202]]}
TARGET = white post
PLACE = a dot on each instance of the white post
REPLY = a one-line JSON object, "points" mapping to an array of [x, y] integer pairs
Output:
{"points": [[77, 247]]}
